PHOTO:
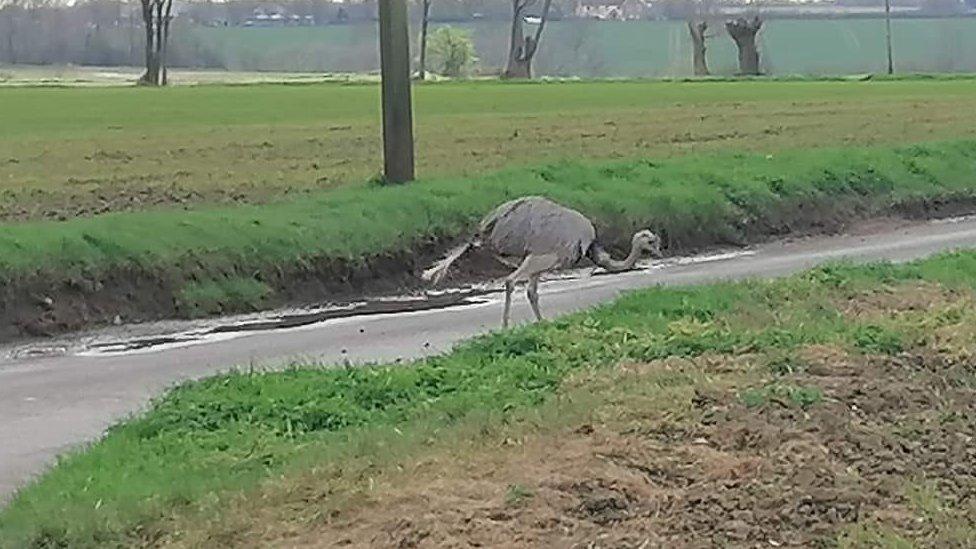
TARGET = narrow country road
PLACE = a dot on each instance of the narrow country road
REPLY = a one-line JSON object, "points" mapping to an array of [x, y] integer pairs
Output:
{"points": [[50, 402]]}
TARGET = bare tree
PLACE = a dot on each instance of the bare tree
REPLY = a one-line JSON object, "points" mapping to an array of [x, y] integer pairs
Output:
{"points": [[698, 23], [891, 61], [698, 35], [523, 48], [743, 31], [164, 40], [422, 73], [156, 17]]}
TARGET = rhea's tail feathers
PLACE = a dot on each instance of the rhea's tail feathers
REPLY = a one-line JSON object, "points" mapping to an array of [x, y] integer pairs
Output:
{"points": [[438, 270]]}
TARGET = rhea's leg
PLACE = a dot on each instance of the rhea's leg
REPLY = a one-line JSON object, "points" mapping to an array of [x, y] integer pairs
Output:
{"points": [[532, 292], [509, 288], [530, 268]]}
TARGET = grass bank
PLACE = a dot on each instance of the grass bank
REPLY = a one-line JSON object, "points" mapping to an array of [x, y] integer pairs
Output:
{"points": [[66, 153], [263, 457], [145, 265]]}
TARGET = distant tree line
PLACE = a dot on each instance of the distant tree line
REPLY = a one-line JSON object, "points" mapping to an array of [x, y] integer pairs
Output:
{"points": [[113, 32], [137, 33]]}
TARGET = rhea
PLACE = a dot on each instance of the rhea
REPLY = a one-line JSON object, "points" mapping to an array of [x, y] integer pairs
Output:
{"points": [[535, 235]]}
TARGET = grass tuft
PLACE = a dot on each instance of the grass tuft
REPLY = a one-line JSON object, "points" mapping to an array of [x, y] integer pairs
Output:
{"points": [[517, 495], [782, 394], [213, 296]]}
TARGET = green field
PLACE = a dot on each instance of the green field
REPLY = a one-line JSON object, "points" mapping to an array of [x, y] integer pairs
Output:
{"points": [[66, 152], [311, 454], [194, 200], [102, 186]]}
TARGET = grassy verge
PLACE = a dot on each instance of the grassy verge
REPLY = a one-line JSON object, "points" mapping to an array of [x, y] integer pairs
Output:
{"points": [[81, 152], [213, 455], [166, 263]]}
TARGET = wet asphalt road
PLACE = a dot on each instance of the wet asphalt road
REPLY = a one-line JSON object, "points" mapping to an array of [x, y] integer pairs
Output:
{"points": [[49, 404]]}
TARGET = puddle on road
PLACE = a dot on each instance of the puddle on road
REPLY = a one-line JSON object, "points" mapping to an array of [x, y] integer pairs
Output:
{"points": [[953, 220], [38, 351], [431, 300], [308, 317]]}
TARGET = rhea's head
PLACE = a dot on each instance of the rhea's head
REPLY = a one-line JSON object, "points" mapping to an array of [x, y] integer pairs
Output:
{"points": [[648, 241]]}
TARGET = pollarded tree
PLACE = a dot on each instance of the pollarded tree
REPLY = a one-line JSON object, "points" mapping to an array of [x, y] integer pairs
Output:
{"points": [[698, 22], [522, 48], [743, 31], [698, 31]]}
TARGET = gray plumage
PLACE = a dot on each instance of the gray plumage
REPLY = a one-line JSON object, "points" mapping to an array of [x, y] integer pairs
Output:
{"points": [[536, 225], [537, 235]]}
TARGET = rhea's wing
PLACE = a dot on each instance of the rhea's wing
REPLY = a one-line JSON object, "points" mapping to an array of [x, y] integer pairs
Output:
{"points": [[534, 225], [501, 212]]}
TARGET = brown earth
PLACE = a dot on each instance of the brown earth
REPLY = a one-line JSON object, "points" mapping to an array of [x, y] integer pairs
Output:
{"points": [[41, 307], [887, 454], [133, 161]]}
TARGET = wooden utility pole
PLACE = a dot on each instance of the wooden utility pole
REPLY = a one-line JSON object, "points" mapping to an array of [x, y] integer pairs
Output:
{"points": [[891, 62], [397, 107]]}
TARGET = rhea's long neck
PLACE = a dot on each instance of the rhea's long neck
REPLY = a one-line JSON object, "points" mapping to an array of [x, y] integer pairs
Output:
{"points": [[603, 259]]}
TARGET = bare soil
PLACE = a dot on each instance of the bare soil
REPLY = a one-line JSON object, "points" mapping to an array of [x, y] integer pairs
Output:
{"points": [[55, 165], [41, 307], [722, 474]]}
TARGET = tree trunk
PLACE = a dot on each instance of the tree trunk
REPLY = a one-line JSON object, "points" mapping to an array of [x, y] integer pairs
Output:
{"points": [[164, 43], [156, 15], [516, 43], [698, 29], [423, 40], [519, 68], [159, 43], [743, 31], [522, 49], [151, 76], [891, 61]]}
